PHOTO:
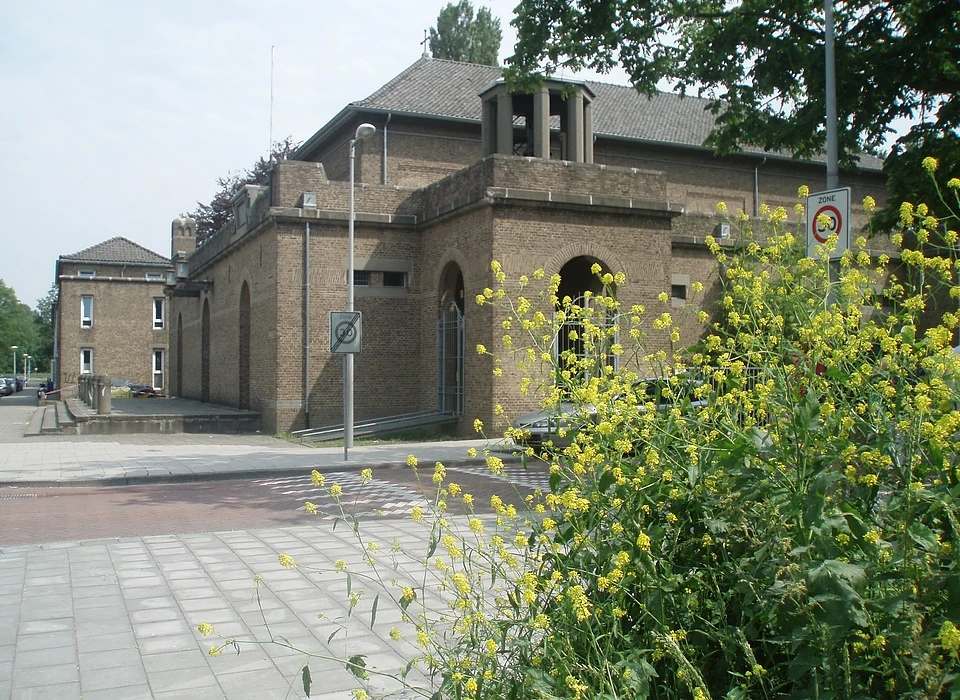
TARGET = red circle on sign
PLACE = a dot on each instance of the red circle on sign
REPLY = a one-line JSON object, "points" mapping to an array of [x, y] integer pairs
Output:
{"points": [[834, 214]]}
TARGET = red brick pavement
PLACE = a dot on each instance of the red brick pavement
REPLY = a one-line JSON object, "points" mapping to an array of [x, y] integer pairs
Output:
{"points": [[55, 514]]}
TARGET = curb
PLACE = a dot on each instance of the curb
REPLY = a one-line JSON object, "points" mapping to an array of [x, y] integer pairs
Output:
{"points": [[236, 475]]}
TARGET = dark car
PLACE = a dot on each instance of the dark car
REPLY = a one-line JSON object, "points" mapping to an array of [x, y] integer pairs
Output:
{"points": [[21, 382], [542, 426]]}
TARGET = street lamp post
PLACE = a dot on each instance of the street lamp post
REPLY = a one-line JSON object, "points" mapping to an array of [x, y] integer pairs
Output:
{"points": [[363, 131], [14, 348], [26, 369]]}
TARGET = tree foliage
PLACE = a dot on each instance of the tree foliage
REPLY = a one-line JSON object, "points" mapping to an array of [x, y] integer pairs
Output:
{"points": [[24, 328], [460, 37], [212, 216], [761, 65]]}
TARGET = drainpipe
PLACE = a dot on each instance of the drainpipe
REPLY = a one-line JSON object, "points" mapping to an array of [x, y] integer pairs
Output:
{"points": [[306, 325], [756, 187], [385, 124]]}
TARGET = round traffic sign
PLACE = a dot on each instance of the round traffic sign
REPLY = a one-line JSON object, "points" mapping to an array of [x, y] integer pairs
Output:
{"points": [[826, 222], [345, 332]]}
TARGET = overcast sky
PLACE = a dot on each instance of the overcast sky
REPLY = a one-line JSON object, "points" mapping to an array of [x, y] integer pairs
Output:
{"points": [[120, 115]]}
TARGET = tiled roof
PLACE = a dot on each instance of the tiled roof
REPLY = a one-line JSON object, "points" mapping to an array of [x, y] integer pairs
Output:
{"points": [[117, 250], [450, 89]]}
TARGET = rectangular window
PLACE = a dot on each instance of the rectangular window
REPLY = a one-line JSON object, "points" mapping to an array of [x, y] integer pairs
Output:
{"points": [[361, 278], [158, 365], [86, 311], [394, 279], [155, 276], [158, 313], [86, 273], [678, 291], [86, 360]]}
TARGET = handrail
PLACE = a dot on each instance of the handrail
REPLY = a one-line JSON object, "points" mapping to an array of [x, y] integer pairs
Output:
{"points": [[375, 425]]}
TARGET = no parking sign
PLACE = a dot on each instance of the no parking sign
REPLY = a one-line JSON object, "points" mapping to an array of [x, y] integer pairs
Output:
{"points": [[828, 213]]}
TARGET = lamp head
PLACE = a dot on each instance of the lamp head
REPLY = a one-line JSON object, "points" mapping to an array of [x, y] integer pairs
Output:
{"points": [[365, 131]]}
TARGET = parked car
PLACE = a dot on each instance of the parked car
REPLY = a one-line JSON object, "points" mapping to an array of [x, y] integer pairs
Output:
{"points": [[544, 425], [8, 385], [21, 382]]}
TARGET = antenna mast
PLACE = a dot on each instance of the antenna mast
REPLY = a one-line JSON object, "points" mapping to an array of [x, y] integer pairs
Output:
{"points": [[270, 145]]}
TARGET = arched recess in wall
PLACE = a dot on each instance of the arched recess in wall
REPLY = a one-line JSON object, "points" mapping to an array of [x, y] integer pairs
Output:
{"points": [[243, 381], [205, 352], [579, 284], [179, 390], [450, 339]]}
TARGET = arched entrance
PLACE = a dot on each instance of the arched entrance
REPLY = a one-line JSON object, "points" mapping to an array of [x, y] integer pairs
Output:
{"points": [[205, 352], [243, 381], [450, 341], [179, 391], [582, 286]]}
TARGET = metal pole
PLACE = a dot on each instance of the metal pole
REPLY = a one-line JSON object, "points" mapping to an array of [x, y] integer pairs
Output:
{"points": [[348, 357], [14, 348], [833, 167], [306, 326]]}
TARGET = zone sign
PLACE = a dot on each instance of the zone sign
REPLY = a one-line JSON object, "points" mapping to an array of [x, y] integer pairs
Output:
{"points": [[828, 213]]}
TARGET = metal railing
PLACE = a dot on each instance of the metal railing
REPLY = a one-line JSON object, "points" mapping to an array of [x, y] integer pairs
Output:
{"points": [[376, 426]]}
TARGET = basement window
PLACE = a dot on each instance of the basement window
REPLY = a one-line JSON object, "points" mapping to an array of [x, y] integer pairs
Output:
{"points": [[678, 291], [361, 278], [394, 279]]}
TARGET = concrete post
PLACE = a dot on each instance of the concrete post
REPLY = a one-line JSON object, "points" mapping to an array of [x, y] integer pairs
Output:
{"points": [[104, 404], [587, 131], [541, 123], [575, 126], [505, 122]]}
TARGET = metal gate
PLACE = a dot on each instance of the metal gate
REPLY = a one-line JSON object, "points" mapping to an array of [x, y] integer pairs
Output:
{"points": [[602, 355], [450, 359]]}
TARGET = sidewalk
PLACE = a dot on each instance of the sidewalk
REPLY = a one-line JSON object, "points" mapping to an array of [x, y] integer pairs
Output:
{"points": [[116, 618]]}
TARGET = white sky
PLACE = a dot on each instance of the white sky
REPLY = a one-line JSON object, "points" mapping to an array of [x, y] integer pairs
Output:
{"points": [[119, 115]]}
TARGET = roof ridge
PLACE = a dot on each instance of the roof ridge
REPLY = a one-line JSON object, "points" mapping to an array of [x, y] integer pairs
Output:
{"points": [[103, 246]]}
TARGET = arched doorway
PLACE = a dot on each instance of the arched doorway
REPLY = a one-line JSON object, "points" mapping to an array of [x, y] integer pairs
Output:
{"points": [[243, 381], [450, 338], [581, 286], [179, 391], [205, 352]]}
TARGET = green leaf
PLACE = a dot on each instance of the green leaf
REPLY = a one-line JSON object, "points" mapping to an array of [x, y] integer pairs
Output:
{"points": [[433, 546], [555, 478], [305, 675], [349, 584], [606, 479], [357, 665], [373, 612], [334, 634]]}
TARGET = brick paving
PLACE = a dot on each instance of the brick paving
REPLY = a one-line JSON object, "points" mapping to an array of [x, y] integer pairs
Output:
{"points": [[99, 605]]}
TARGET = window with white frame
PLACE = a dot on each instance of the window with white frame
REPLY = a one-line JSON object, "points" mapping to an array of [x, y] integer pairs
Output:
{"points": [[86, 273], [86, 360], [158, 365], [155, 276], [86, 311], [158, 313]]}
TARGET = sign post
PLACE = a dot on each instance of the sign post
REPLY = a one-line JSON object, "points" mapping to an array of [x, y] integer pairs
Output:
{"points": [[828, 213]]}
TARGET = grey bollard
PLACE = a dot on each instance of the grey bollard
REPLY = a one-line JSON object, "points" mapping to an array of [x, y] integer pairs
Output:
{"points": [[104, 385], [95, 393]]}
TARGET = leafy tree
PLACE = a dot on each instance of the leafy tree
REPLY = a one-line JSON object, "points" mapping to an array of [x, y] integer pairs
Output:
{"points": [[761, 65], [211, 217], [18, 326], [460, 37]]}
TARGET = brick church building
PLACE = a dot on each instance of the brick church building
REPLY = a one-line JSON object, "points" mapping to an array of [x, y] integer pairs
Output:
{"points": [[460, 172]]}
